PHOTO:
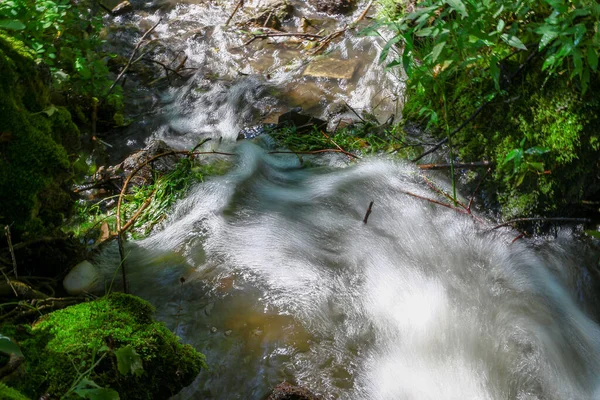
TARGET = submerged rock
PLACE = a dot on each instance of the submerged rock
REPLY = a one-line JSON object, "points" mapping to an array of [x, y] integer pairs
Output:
{"points": [[122, 8], [287, 391], [331, 68], [145, 175], [271, 13], [333, 6], [83, 278]]}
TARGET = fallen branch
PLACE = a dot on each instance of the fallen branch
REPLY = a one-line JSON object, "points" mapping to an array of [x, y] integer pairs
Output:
{"points": [[307, 36], [122, 229], [129, 62], [165, 67], [11, 249], [327, 39], [365, 219], [363, 14], [350, 155], [550, 219]]}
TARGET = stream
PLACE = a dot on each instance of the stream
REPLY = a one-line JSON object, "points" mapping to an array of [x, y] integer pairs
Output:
{"points": [[284, 281]]}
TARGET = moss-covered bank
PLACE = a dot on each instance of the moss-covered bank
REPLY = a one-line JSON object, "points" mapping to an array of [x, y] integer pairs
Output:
{"points": [[63, 345], [543, 134], [38, 142]]}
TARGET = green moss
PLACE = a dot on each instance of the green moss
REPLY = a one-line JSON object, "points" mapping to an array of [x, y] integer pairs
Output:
{"points": [[36, 140], [65, 342], [8, 393], [537, 110]]}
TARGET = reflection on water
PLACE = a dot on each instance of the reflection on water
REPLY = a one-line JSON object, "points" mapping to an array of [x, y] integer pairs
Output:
{"points": [[284, 281]]}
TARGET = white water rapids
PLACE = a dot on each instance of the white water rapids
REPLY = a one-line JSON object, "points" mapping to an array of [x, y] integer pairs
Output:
{"points": [[284, 281]]}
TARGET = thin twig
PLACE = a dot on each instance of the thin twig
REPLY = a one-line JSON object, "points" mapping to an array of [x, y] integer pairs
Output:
{"points": [[350, 155], [442, 193], [354, 111], [11, 249], [9, 283], [366, 218], [120, 229], [363, 14], [237, 7], [476, 189], [307, 36], [129, 62], [551, 219], [165, 67]]}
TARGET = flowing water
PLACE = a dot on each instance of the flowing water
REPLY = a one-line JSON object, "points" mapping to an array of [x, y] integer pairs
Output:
{"points": [[284, 281]]}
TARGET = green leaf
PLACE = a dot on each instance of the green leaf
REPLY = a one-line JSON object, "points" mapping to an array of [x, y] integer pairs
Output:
{"points": [[459, 6], [516, 156], [549, 33], [50, 110], [387, 47], [537, 150], [88, 389], [12, 24], [7, 346], [500, 26], [594, 234], [592, 57], [538, 166], [437, 49], [513, 41], [495, 72], [129, 361]]}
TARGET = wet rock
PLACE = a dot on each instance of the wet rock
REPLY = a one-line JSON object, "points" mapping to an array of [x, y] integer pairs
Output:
{"points": [[228, 332], [331, 68], [250, 132], [287, 391], [303, 123], [83, 278], [161, 165], [333, 6], [122, 8], [213, 329], [271, 13]]}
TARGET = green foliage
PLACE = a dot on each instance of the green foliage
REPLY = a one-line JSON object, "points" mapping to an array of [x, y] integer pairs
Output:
{"points": [[534, 64], [366, 138], [7, 346], [70, 352], [34, 144], [165, 191], [65, 36], [8, 393]]}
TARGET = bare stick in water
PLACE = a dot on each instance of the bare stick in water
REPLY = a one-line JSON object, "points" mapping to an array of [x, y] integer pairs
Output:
{"points": [[11, 249], [235, 10], [368, 212]]}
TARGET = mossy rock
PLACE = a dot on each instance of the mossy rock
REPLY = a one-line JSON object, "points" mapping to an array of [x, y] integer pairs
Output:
{"points": [[8, 393], [75, 338], [37, 145]]}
